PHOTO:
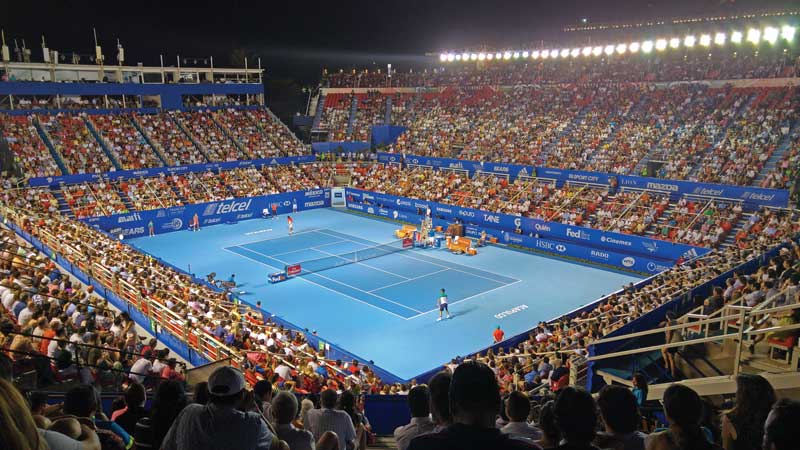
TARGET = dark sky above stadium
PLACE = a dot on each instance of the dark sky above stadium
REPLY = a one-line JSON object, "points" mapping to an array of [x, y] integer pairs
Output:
{"points": [[297, 38]]}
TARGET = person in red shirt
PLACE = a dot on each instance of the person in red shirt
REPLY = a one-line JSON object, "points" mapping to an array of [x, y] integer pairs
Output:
{"points": [[169, 372], [498, 334]]}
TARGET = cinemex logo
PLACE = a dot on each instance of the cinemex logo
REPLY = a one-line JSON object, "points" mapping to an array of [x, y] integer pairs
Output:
{"points": [[129, 218], [578, 234], [401, 202], [491, 218], [511, 311], [316, 193], [662, 186], [599, 254], [561, 248], [542, 227], [628, 261], [314, 204], [227, 207], [466, 213], [613, 240]]}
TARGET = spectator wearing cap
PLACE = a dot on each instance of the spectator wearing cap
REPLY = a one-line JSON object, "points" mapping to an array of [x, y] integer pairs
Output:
{"points": [[421, 423], [219, 424], [327, 418], [475, 402], [518, 407]]}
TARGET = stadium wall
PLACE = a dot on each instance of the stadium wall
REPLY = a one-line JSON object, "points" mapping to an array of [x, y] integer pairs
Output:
{"points": [[753, 197]]}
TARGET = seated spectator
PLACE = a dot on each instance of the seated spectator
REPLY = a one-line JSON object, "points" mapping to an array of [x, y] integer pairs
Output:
{"points": [[82, 402], [284, 410], [780, 430], [134, 410], [576, 418], [475, 403], [518, 407], [167, 404], [421, 423], [551, 435], [219, 425], [743, 426], [684, 411], [325, 419], [440, 400], [621, 419]]}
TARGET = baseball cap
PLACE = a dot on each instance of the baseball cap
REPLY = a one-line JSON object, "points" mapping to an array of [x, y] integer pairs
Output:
{"points": [[225, 381]]}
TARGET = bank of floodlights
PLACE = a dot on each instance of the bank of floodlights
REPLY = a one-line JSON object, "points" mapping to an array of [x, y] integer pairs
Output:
{"points": [[755, 36]]}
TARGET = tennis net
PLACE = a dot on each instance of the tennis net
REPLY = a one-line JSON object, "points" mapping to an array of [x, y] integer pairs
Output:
{"points": [[343, 259]]}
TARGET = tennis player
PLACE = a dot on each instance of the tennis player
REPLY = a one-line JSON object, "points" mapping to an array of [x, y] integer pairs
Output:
{"points": [[443, 305], [290, 222]]}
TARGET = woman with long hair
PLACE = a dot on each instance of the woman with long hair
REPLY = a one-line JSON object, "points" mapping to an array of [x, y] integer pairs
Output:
{"points": [[169, 401], [743, 426], [17, 428], [640, 388], [684, 411]]}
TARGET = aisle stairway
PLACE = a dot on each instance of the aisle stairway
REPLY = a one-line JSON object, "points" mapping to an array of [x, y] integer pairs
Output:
{"points": [[63, 207], [49, 144], [102, 142], [149, 141], [777, 155], [351, 118]]}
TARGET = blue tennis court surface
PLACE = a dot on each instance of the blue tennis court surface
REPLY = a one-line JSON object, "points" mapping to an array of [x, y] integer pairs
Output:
{"points": [[384, 309]]}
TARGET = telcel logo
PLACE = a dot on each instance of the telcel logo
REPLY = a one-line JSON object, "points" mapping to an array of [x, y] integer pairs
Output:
{"points": [[228, 207]]}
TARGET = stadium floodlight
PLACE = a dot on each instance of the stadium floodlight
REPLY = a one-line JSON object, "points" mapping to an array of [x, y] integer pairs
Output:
{"points": [[481, 56], [771, 34], [473, 56], [458, 56], [507, 55], [661, 44], [621, 48], [597, 51], [754, 35], [787, 32], [647, 46], [689, 41], [516, 55], [586, 51], [489, 56], [564, 52], [443, 57], [575, 52], [720, 38], [525, 54], [608, 50], [451, 57], [736, 37], [545, 54], [705, 40], [464, 56], [633, 47], [535, 54], [498, 55], [674, 43]]}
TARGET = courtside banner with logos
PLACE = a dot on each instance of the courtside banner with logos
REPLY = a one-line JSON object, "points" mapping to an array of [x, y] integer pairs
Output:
{"points": [[624, 261], [176, 170], [750, 195], [177, 218], [384, 204]]}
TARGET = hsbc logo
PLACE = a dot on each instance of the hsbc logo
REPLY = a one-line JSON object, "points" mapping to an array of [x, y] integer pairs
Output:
{"points": [[561, 248]]}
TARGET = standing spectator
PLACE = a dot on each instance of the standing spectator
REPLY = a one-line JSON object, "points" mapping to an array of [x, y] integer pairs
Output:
{"points": [[219, 425], [421, 423], [684, 411], [671, 337], [263, 396], [475, 403], [167, 404], [284, 410], [780, 430], [169, 371], [640, 388], [576, 418], [347, 403], [743, 426], [518, 407], [320, 421], [134, 399], [621, 418]]}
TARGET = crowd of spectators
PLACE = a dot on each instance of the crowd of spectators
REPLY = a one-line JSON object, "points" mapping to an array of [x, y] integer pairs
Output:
{"points": [[75, 144], [213, 141], [173, 143], [125, 142], [29, 150]]}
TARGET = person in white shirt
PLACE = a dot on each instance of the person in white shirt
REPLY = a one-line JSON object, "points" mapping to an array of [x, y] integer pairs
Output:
{"points": [[518, 407], [421, 423], [320, 421], [142, 368]]}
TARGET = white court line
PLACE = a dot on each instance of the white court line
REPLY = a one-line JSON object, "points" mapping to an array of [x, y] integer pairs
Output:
{"points": [[308, 248], [409, 279], [317, 284], [280, 237], [466, 298], [339, 282], [363, 264], [436, 264]]}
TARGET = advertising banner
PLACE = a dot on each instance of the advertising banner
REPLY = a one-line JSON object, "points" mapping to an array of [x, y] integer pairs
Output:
{"points": [[177, 218]]}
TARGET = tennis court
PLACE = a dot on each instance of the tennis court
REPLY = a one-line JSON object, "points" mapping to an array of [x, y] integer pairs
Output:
{"points": [[384, 308], [387, 277]]}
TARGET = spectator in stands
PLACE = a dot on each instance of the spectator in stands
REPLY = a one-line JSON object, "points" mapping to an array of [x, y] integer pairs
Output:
{"points": [[347, 403], [551, 435], [284, 410], [640, 388], [200, 393], [743, 426], [219, 424], [684, 411], [576, 418], [134, 410], [169, 401], [621, 419], [780, 429], [440, 400], [82, 402], [320, 421], [170, 372], [262, 391], [475, 403], [421, 423], [518, 408], [143, 367], [672, 337]]}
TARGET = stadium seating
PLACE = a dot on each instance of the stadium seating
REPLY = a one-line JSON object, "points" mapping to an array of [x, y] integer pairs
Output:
{"points": [[162, 130], [74, 142], [125, 142], [205, 132], [30, 151]]}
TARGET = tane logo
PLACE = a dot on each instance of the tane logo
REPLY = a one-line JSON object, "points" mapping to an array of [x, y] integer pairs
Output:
{"points": [[491, 218]]}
